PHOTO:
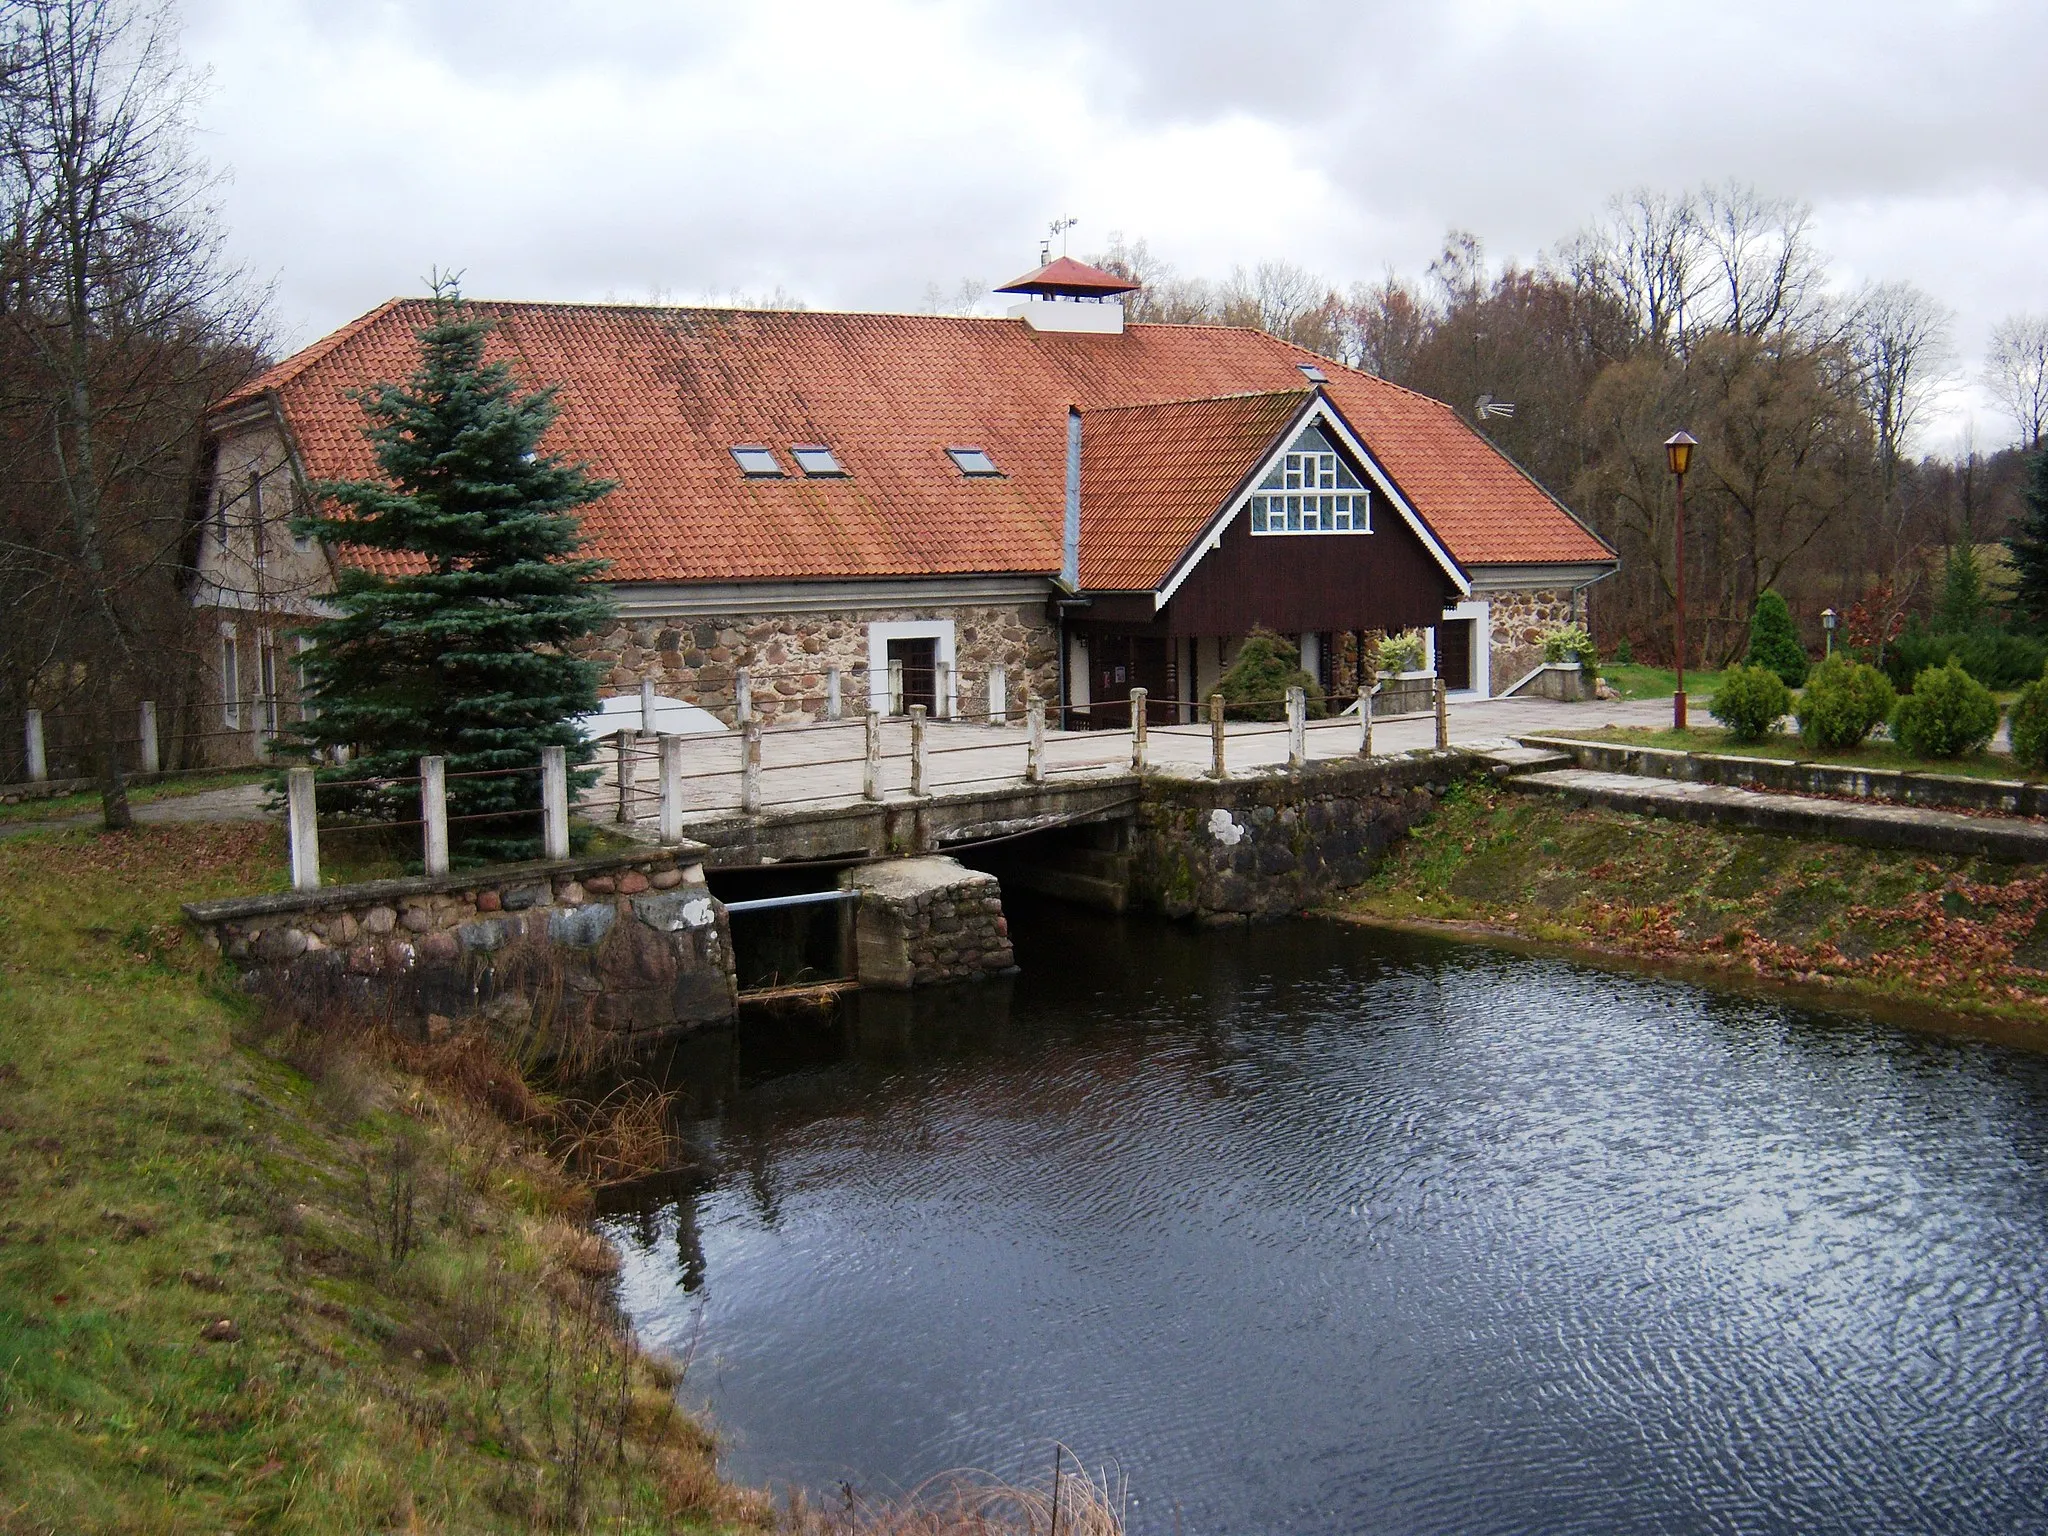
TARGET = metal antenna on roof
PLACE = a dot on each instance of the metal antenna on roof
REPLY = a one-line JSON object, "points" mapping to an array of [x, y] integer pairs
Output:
{"points": [[1060, 228]]}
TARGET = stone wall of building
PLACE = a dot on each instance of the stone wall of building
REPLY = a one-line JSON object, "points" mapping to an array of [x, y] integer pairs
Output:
{"points": [[1278, 843], [927, 920], [1518, 619], [632, 945], [786, 654]]}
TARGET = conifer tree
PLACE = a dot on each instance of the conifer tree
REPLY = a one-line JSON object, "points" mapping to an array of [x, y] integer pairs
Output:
{"points": [[456, 646], [1774, 642], [2029, 545], [1962, 593]]}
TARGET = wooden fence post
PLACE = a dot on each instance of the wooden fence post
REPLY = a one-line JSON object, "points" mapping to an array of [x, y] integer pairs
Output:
{"points": [[743, 696], [1443, 716], [1365, 721], [1138, 730], [871, 773], [1297, 728], [833, 708], [303, 820], [1034, 741], [1217, 770], [554, 802], [38, 761], [917, 749], [434, 813], [670, 752], [998, 695], [623, 748], [750, 768], [646, 706], [152, 757]]}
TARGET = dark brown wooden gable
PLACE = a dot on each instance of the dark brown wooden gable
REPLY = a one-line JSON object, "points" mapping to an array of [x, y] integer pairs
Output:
{"points": [[1294, 583]]}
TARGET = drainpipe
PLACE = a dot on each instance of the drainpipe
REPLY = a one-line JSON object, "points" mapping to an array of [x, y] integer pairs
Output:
{"points": [[1070, 542]]}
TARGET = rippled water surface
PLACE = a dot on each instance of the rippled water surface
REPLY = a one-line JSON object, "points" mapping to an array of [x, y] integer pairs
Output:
{"points": [[1316, 1229]]}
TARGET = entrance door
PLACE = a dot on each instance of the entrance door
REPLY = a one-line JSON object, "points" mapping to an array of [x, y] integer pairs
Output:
{"points": [[913, 676], [1454, 652], [1121, 663]]}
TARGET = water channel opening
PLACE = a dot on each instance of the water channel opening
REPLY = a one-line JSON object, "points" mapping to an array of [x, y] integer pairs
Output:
{"points": [[1085, 863], [792, 928]]}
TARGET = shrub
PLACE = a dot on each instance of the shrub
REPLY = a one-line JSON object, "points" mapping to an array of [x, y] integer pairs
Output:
{"points": [[1844, 702], [1402, 652], [1565, 640], [1774, 642], [2030, 725], [1947, 714], [1624, 653], [1256, 685], [1996, 659], [1750, 702]]}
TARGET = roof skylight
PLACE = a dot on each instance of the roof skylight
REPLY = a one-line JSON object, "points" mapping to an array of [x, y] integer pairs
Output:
{"points": [[757, 463], [1312, 373], [815, 459], [973, 462]]}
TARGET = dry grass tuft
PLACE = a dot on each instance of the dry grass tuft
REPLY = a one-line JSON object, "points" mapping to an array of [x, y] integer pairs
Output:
{"points": [[974, 1504]]}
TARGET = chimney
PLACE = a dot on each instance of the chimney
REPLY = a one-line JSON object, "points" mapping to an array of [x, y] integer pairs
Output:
{"points": [[1070, 295], [1070, 541]]}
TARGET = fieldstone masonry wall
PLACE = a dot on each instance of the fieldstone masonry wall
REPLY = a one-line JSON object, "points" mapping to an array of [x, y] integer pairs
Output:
{"points": [[632, 945], [928, 920], [1266, 846], [1518, 620], [787, 653]]}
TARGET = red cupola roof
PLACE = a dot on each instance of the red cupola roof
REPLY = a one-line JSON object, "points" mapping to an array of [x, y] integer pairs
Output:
{"points": [[1068, 278]]}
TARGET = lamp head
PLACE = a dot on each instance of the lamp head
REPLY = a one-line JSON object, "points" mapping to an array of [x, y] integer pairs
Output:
{"points": [[1827, 618], [1678, 449]]}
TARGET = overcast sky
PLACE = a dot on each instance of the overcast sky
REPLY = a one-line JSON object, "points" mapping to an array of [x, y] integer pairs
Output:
{"points": [[854, 152]]}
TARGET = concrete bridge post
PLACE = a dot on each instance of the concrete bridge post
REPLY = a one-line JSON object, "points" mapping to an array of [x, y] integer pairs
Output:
{"points": [[1365, 721], [434, 814], [1138, 730], [304, 823], [1297, 729], [750, 767], [743, 696], [1217, 768], [38, 761], [942, 691], [1443, 716], [1034, 743], [917, 750], [554, 802], [998, 695], [832, 704], [871, 773], [646, 706], [670, 751], [622, 751], [152, 753]]}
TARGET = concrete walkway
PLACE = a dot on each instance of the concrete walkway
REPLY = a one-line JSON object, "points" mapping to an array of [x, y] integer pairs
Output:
{"points": [[242, 802], [1876, 826]]}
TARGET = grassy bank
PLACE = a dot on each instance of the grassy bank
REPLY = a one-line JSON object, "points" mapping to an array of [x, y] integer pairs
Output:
{"points": [[1968, 937], [57, 807], [1791, 749], [260, 1280], [1632, 680]]}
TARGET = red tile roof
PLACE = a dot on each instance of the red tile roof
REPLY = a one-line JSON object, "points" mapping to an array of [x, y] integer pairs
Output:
{"points": [[1066, 275], [657, 398], [1154, 476]]}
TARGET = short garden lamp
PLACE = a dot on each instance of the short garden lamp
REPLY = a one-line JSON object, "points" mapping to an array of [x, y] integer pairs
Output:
{"points": [[1678, 449], [1827, 622]]}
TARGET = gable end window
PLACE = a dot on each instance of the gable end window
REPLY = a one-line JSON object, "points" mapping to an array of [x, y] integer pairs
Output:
{"points": [[1313, 489]]}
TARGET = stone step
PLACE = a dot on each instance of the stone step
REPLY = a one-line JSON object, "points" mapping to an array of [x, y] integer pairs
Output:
{"points": [[1511, 761], [2016, 838]]}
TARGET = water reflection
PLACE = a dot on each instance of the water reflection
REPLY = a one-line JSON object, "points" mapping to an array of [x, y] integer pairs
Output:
{"points": [[1319, 1230]]}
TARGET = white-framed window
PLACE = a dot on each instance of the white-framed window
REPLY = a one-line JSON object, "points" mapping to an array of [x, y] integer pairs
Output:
{"points": [[230, 679], [307, 708], [220, 519], [1311, 490]]}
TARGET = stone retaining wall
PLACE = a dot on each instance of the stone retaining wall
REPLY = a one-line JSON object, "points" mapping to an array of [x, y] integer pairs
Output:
{"points": [[632, 944], [928, 920], [1278, 843]]}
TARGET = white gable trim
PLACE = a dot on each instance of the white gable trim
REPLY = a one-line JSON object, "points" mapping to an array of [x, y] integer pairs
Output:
{"points": [[1318, 411]]}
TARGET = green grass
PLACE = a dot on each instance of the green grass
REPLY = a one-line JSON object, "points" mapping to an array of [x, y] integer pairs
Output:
{"points": [[1968, 937], [1635, 681], [1785, 748], [58, 807], [161, 1171]]}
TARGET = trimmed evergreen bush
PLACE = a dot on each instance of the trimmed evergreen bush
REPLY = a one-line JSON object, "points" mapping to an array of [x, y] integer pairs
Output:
{"points": [[1774, 641], [1947, 714], [1996, 658], [1844, 702], [1750, 702], [1624, 653], [2030, 726], [1255, 686]]}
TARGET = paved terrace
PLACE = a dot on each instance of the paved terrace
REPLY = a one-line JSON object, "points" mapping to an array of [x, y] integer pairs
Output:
{"points": [[820, 767]]}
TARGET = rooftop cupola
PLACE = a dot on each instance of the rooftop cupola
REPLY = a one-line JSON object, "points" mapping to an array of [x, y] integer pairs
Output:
{"points": [[1070, 295]]}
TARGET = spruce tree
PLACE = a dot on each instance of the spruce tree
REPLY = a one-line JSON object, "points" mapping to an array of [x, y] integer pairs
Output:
{"points": [[1774, 642], [1962, 593], [2029, 545], [462, 653]]}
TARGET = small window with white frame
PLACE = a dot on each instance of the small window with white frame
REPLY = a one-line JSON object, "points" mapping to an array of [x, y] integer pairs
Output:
{"points": [[1312, 489], [230, 679]]}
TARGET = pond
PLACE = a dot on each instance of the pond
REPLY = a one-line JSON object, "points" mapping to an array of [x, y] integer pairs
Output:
{"points": [[1316, 1228]]}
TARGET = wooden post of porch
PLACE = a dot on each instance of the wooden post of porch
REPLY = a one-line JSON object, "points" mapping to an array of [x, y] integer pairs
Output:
{"points": [[1138, 730], [1217, 770], [1297, 728], [917, 749], [750, 768], [1034, 740], [1443, 715], [670, 752], [871, 772]]}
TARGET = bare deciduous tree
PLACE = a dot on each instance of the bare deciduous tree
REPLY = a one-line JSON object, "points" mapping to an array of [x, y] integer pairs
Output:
{"points": [[2016, 373], [119, 323], [1899, 342]]}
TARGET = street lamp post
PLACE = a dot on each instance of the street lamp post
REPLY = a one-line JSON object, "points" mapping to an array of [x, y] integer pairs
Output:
{"points": [[1678, 455], [1827, 622]]}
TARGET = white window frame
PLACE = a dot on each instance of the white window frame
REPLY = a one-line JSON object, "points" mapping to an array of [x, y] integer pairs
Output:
{"points": [[1309, 499], [882, 631], [230, 678]]}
